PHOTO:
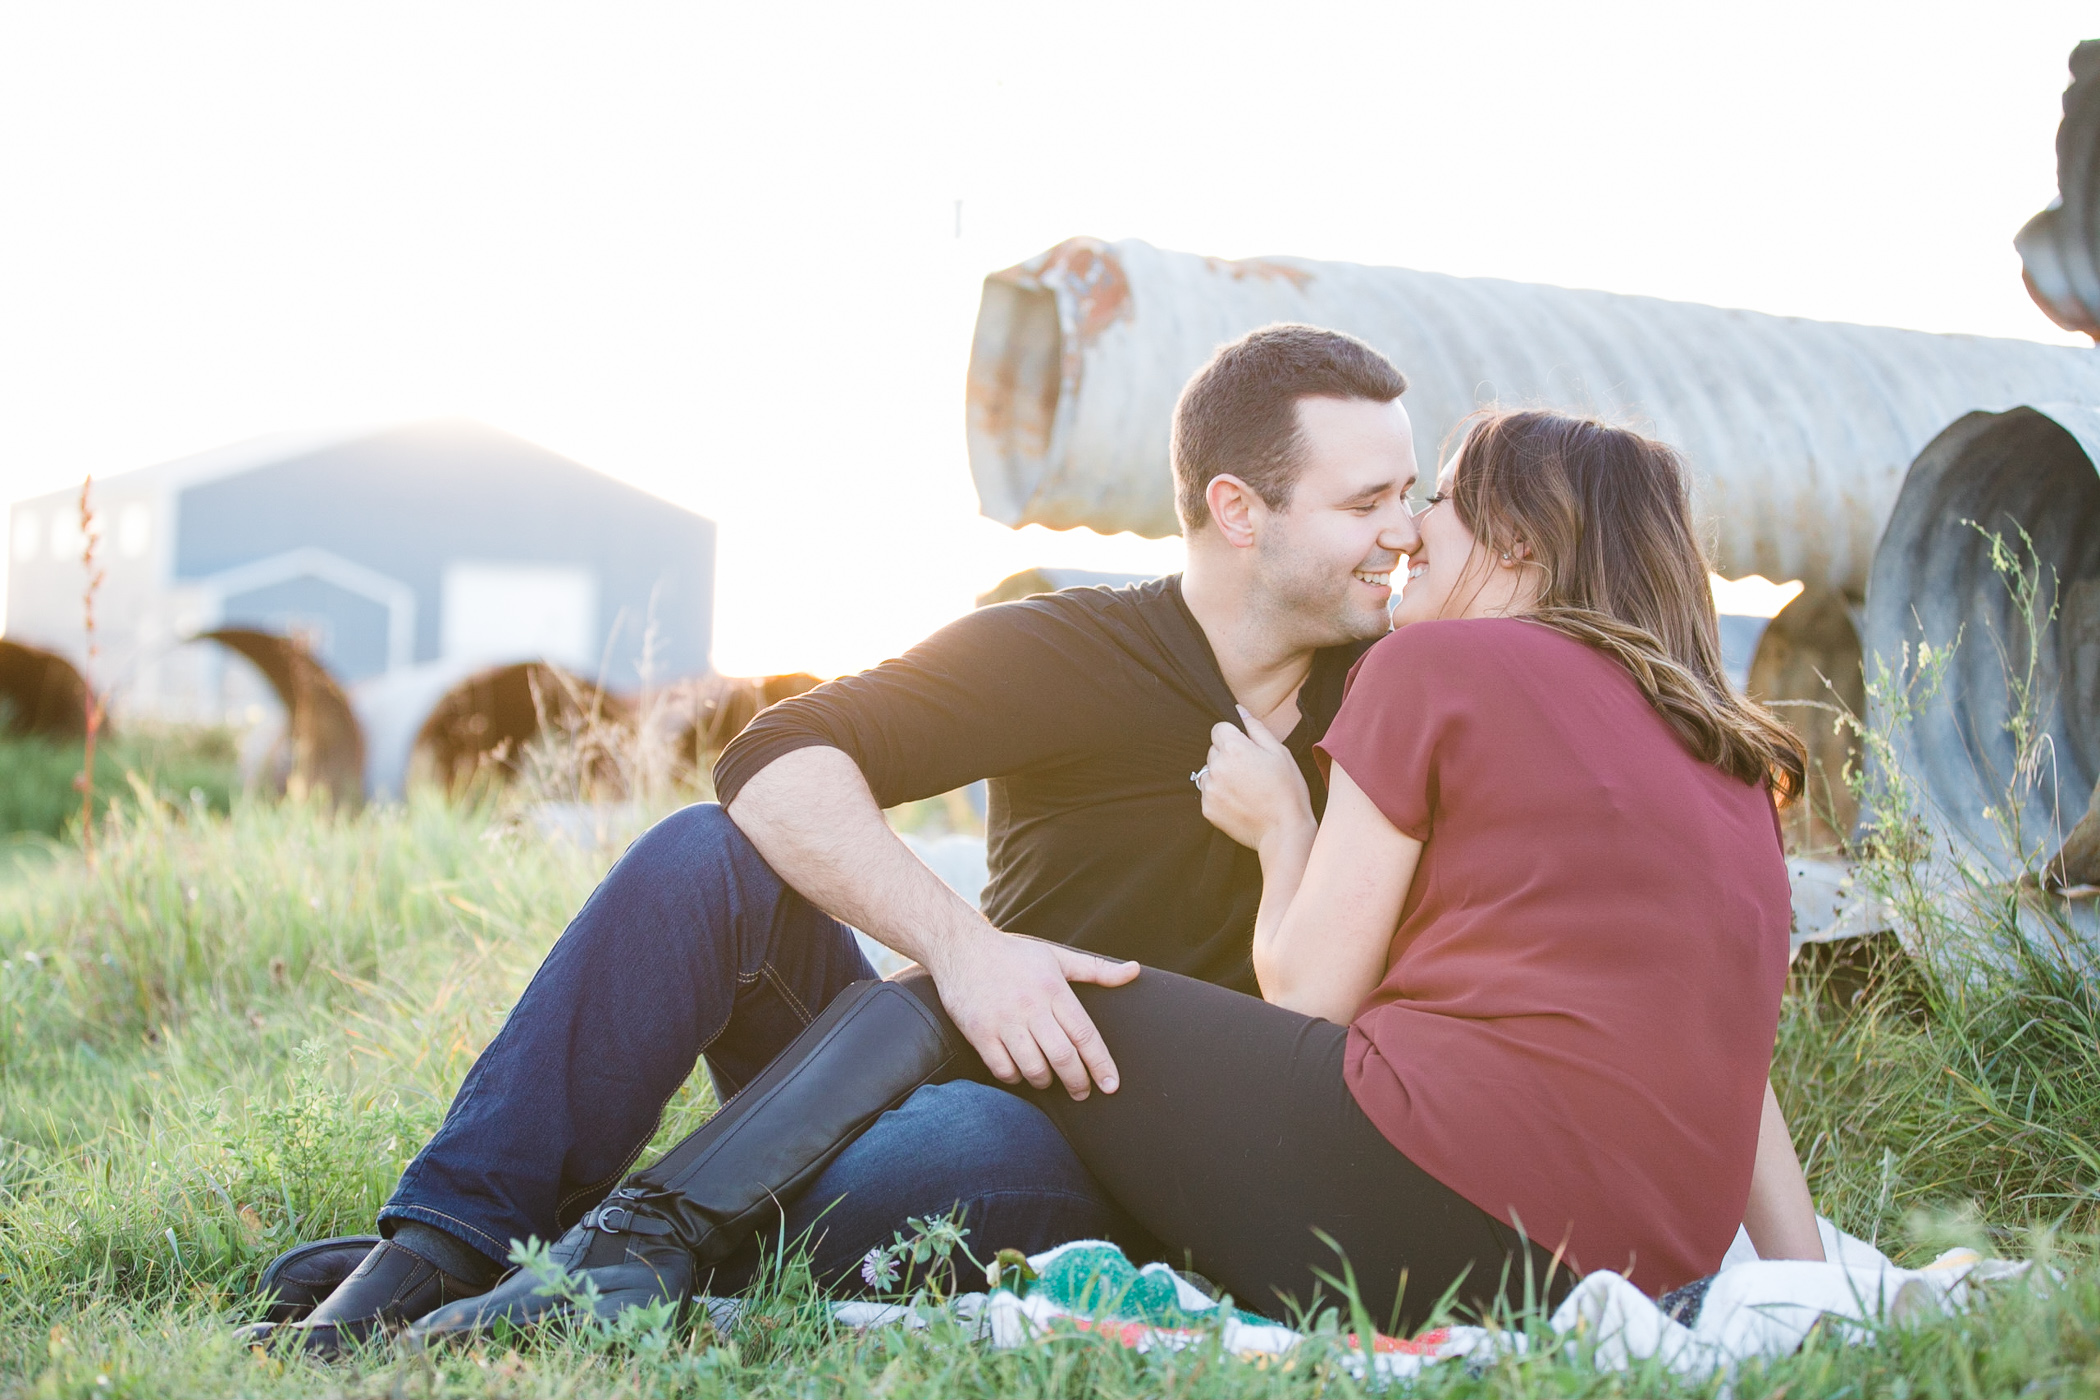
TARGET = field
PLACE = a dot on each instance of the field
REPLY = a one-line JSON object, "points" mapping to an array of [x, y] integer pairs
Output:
{"points": [[232, 1032]]}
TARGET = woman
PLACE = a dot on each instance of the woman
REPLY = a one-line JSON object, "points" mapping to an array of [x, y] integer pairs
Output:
{"points": [[1521, 986], [1543, 780]]}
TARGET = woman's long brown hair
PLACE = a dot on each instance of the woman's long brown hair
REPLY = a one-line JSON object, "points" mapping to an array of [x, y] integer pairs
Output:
{"points": [[1606, 514]]}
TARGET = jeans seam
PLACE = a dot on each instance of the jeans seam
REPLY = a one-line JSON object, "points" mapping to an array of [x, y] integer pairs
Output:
{"points": [[772, 975], [743, 980]]}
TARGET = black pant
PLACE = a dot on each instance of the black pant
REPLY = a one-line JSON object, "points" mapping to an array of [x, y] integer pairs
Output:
{"points": [[1234, 1138]]}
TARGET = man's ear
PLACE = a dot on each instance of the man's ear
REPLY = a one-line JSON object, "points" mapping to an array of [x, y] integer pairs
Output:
{"points": [[1235, 508]]}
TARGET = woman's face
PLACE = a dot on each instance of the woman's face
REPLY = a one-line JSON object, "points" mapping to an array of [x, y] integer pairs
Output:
{"points": [[1453, 574]]}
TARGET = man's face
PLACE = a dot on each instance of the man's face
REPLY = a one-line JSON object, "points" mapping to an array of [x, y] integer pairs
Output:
{"points": [[1328, 558]]}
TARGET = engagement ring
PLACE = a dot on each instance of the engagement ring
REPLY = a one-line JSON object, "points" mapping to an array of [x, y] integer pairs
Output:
{"points": [[1199, 775]]}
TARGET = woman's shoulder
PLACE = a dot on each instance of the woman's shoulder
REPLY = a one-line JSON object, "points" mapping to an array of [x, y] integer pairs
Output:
{"points": [[1482, 664], [1450, 641]]}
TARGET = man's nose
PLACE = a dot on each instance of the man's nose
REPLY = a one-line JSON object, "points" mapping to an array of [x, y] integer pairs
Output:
{"points": [[1400, 535]]}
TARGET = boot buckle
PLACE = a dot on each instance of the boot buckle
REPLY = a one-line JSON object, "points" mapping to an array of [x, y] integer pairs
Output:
{"points": [[615, 1214]]}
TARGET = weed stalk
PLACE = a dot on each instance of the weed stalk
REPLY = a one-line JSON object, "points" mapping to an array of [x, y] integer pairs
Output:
{"points": [[90, 537]]}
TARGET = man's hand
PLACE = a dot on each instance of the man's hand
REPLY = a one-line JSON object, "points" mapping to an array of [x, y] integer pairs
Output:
{"points": [[811, 816], [1011, 997]]}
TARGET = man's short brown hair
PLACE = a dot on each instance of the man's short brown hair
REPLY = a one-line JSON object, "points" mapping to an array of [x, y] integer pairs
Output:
{"points": [[1239, 414]]}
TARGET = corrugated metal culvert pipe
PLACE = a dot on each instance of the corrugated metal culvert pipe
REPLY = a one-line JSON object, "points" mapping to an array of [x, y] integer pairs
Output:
{"points": [[1799, 433], [1934, 581], [2060, 247]]}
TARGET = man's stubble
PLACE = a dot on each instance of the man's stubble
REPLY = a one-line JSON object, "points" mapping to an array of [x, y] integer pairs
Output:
{"points": [[1309, 599]]}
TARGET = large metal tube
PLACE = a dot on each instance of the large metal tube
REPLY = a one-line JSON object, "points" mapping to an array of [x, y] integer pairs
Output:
{"points": [[2060, 247], [40, 694], [1934, 581], [1807, 667], [482, 726], [1798, 432], [324, 746]]}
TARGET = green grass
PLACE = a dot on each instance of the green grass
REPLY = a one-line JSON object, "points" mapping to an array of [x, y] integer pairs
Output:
{"points": [[37, 796], [233, 1032]]}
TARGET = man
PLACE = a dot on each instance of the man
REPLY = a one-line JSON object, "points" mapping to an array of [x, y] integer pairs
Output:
{"points": [[723, 932]]}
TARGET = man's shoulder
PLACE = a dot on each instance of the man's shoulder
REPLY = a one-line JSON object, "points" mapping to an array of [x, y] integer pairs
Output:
{"points": [[1095, 602], [1136, 632], [1133, 617]]}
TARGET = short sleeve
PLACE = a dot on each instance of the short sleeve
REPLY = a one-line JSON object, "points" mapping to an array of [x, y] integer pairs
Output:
{"points": [[1395, 722], [991, 693]]}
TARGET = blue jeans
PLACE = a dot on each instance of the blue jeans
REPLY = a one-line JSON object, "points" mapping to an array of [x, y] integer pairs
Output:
{"points": [[692, 946]]}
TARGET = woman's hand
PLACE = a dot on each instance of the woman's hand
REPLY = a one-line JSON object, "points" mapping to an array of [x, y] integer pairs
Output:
{"points": [[1252, 789]]}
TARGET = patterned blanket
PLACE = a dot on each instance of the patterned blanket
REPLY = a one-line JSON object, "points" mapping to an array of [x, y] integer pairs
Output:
{"points": [[1751, 1308]]}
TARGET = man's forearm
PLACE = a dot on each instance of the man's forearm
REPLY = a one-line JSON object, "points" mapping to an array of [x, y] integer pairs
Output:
{"points": [[811, 815]]}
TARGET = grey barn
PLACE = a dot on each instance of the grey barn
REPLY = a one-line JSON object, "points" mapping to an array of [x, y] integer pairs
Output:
{"points": [[406, 557]]}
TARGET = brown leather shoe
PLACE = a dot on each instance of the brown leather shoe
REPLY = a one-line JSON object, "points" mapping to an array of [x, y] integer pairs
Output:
{"points": [[300, 1279], [392, 1288]]}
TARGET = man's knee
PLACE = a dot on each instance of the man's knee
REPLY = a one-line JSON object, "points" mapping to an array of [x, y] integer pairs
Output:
{"points": [[700, 830], [698, 844]]}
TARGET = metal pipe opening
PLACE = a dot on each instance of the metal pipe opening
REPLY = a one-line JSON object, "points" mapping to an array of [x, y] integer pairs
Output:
{"points": [[1934, 581], [41, 694], [322, 751], [1016, 378], [481, 729]]}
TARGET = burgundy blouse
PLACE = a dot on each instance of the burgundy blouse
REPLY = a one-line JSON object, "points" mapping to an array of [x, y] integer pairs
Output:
{"points": [[1578, 1011]]}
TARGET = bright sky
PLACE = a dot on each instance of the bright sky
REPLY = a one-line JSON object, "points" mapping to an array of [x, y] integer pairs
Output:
{"points": [[713, 249]]}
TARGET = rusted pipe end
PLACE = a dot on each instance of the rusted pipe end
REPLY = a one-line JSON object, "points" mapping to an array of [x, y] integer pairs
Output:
{"points": [[1934, 580], [480, 730], [1015, 380], [1034, 322], [41, 695]]}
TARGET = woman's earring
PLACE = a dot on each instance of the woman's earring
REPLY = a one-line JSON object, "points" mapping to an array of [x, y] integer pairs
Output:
{"points": [[1505, 556]]}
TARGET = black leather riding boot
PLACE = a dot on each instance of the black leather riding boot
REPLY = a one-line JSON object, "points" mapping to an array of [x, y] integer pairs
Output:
{"points": [[674, 1219]]}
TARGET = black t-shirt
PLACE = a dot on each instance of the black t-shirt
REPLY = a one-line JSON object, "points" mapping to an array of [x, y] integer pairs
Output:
{"points": [[1087, 710]]}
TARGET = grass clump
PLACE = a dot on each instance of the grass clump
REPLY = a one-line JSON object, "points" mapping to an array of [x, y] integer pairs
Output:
{"points": [[37, 775]]}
